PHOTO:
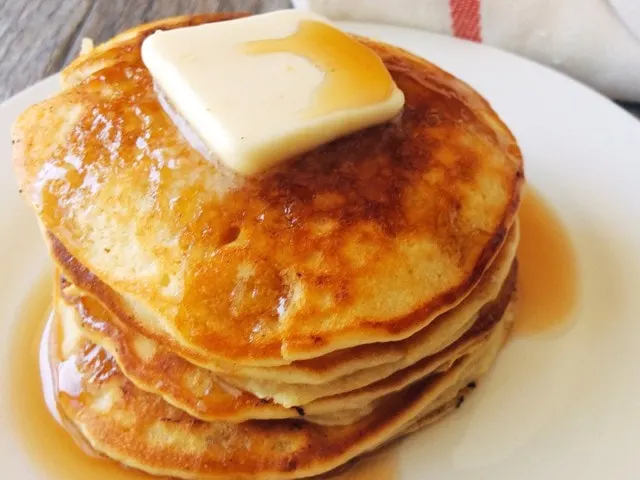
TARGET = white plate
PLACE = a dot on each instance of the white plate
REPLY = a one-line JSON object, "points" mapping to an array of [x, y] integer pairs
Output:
{"points": [[559, 406]]}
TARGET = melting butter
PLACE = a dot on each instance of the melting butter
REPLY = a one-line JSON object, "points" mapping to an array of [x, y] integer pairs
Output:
{"points": [[354, 76], [263, 89]]}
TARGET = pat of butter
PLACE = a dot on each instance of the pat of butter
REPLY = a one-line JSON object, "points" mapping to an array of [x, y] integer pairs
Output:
{"points": [[262, 89]]}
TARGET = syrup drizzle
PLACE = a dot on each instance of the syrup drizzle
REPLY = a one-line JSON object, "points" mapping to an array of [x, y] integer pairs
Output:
{"points": [[53, 444], [547, 269], [354, 76], [54, 447]]}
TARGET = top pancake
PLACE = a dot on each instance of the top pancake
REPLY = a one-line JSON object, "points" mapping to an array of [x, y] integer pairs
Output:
{"points": [[366, 239]]}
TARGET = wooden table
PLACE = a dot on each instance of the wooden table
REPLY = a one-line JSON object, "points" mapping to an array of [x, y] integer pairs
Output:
{"points": [[39, 37]]}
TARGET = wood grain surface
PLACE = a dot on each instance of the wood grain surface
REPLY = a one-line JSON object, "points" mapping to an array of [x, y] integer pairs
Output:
{"points": [[39, 37]]}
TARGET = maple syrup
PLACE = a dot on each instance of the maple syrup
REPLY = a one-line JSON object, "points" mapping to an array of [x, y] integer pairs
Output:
{"points": [[56, 449], [380, 465], [51, 446], [354, 76], [547, 270]]}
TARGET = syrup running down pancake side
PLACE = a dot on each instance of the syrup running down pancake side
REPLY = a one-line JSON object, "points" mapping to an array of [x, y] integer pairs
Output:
{"points": [[59, 453], [33, 409], [49, 443]]}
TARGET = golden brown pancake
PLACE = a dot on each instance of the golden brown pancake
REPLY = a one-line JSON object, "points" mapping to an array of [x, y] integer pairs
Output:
{"points": [[144, 432], [347, 387], [208, 396], [337, 371], [367, 239]]}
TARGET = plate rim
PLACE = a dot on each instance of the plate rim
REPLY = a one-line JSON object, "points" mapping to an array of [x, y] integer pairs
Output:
{"points": [[44, 87]]}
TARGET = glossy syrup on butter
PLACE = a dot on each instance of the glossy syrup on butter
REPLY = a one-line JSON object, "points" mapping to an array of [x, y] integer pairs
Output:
{"points": [[354, 76]]}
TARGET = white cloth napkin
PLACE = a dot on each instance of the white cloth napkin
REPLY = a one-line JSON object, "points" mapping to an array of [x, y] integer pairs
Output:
{"points": [[596, 41]]}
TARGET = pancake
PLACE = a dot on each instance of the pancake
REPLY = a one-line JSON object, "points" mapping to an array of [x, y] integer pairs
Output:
{"points": [[367, 239], [302, 395], [142, 431], [439, 335], [208, 396]]}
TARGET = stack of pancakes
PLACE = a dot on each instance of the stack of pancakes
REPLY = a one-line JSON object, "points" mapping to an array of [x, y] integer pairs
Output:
{"points": [[277, 326]]}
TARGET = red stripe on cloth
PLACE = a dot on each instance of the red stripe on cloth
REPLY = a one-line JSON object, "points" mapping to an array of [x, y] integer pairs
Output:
{"points": [[465, 19]]}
